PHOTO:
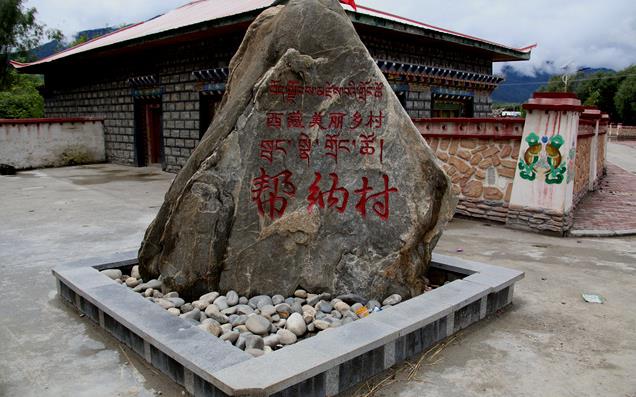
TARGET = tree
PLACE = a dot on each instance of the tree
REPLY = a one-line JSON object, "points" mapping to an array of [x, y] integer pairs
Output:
{"points": [[80, 39], [599, 90], [612, 92], [19, 33], [625, 100], [22, 99]]}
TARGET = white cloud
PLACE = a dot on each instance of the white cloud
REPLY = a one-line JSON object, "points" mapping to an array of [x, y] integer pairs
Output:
{"points": [[584, 32]]}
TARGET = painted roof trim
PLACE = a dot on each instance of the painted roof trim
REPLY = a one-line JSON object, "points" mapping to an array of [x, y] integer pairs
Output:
{"points": [[407, 21], [204, 11]]}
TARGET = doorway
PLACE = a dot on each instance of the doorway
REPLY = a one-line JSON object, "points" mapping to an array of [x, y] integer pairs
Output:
{"points": [[148, 132], [447, 108]]}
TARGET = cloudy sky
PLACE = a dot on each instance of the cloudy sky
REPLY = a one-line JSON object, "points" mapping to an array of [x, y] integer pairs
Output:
{"points": [[580, 33]]}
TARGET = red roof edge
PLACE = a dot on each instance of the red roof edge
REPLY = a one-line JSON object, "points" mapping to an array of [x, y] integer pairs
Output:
{"points": [[19, 65]]}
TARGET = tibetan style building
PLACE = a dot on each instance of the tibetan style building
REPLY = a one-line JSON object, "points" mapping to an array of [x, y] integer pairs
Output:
{"points": [[157, 84]]}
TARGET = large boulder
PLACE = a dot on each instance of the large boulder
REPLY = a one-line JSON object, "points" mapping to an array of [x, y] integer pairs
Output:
{"points": [[311, 174]]}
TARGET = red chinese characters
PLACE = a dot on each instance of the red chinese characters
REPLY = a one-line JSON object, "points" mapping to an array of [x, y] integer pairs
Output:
{"points": [[336, 120], [335, 124], [270, 193], [357, 120], [295, 120], [375, 121], [332, 134], [337, 197], [380, 200], [274, 120], [317, 121]]}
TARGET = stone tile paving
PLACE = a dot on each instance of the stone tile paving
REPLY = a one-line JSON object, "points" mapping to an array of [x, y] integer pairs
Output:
{"points": [[612, 207]]}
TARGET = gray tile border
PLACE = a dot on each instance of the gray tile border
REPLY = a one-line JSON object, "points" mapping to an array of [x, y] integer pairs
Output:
{"points": [[322, 365]]}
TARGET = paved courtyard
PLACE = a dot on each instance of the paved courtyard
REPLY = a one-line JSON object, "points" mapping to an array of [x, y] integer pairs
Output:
{"points": [[612, 207], [549, 343]]}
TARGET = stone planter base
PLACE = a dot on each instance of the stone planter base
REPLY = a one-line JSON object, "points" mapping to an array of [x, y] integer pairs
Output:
{"points": [[324, 365]]}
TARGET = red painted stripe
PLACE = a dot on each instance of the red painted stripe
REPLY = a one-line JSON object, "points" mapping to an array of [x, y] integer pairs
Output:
{"points": [[470, 120], [476, 136], [19, 65], [556, 108]]}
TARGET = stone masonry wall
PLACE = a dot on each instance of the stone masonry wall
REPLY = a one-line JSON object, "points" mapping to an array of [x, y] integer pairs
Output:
{"points": [[101, 89], [582, 167], [110, 101], [107, 95], [539, 220], [480, 156], [601, 168], [482, 172]]}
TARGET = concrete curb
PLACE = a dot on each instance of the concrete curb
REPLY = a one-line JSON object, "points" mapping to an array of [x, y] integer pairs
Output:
{"points": [[324, 365], [602, 233]]}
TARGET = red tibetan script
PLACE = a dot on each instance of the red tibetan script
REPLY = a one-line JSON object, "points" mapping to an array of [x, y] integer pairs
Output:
{"points": [[269, 147], [361, 90], [367, 145], [304, 147], [334, 145], [268, 192]]}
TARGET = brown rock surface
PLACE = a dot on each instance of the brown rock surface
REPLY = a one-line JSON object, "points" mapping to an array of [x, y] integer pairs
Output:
{"points": [[473, 189], [492, 193], [505, 151], [461, 166], [311, 174]]}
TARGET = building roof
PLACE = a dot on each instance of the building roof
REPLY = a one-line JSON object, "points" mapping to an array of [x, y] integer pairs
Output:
{"points": [[204, 11]]}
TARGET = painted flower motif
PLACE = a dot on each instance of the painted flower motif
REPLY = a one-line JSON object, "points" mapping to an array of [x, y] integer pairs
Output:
{"points": [[543, 156]]}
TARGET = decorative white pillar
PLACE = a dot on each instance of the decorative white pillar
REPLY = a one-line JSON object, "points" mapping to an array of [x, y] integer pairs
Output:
{"points": [[543, 186]]}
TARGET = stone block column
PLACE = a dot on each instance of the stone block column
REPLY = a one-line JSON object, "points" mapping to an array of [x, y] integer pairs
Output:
{"points": [[605, 126], [543, 185], [594, 115]]}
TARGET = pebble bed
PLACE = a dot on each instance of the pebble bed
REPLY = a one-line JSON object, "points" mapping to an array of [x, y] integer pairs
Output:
{"points": [[260, 324]]}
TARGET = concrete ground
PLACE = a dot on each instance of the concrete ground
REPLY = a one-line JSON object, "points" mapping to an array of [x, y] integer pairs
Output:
{"points": [[623, 154], [550, 343]]}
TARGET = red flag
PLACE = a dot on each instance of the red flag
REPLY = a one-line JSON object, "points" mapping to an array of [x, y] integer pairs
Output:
{"points": [[352, 3]]}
